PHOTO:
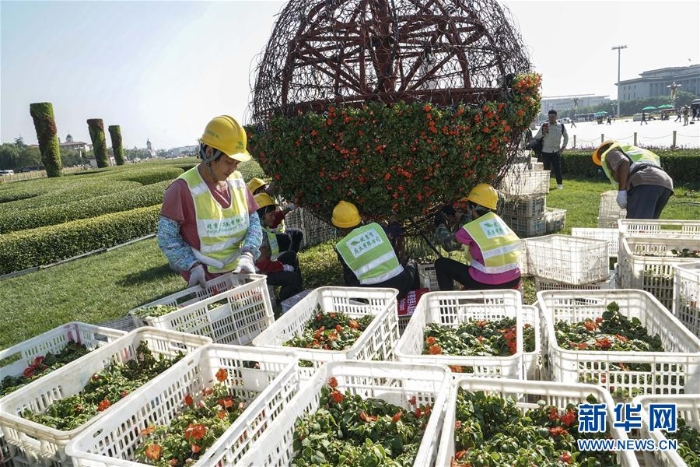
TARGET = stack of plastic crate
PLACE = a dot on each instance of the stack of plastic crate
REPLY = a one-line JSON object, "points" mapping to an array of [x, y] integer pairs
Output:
{"points": [[646, 262], [686, 296], [451, 309], [555, 219], [609, 212], [264, 379], [525, 214], [315, 230], [560, 262], [673, 371], [376, 342]]}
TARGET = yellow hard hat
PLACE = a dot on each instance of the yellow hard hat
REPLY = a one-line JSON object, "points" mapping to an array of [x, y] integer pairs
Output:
{"points": [[228, 136], [596, 156], [484, 195], [255, 183], [264, 200], [345, 215]]}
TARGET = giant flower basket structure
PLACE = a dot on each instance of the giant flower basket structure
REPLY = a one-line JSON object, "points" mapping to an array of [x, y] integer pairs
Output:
{"points": [[395, 105]]}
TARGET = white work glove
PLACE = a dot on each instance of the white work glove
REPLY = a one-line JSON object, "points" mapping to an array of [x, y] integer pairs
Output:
{"points": [[622, 199], [288, 267], [245, 265], [291, 206], [197, 277]]}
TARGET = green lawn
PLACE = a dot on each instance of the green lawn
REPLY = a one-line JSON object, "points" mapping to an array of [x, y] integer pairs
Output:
{"points": [[104, 287]]}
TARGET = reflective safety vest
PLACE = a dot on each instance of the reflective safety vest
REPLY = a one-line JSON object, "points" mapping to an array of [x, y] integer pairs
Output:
{"points": [[369, 255], [272, 241], [499, 245], [638, 157], [221, 230]]}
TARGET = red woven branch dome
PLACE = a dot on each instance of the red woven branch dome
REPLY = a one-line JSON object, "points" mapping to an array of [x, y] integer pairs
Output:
{"points": [[354, 51]]}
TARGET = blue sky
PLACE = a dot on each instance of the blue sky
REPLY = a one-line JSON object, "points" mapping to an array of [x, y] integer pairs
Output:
{"points": [[162, 69]]}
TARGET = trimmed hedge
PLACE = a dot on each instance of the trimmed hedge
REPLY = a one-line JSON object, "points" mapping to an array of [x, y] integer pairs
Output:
{"points": [[48, 196], [683, 166], [146, 176], [14, 220], [46, 245]]}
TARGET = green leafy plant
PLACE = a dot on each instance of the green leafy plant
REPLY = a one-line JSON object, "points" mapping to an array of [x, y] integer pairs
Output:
{"points": [[348, 430], [393, 158], [330, 331], [491, 431]]}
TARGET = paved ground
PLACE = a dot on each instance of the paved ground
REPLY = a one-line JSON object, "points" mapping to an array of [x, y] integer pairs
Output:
{"points": [[657, 133]]}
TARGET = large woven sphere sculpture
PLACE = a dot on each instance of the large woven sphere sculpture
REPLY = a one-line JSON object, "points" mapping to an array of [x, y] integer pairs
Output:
{"points": [[349, 51], [395, 105]]}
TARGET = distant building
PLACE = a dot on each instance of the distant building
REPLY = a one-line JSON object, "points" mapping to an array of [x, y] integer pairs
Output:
{"points": [[563, 103], [655, 83], [74, 145], [183, 151], [149, 148]]}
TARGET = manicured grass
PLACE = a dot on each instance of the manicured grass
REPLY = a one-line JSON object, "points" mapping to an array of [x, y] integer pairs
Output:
{"points": [[104, 287]]}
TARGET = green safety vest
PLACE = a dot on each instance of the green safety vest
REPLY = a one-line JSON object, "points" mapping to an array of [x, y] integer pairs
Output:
{"points": [[272, 241], [369, 254], [221, 231], [499, 245], [636, 155]]}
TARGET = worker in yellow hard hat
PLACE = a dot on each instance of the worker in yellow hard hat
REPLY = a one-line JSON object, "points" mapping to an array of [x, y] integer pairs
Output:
{"points": [[492, 247], [644, 188], [281, 267], [287, 238], [208, 223], [366, 254]]}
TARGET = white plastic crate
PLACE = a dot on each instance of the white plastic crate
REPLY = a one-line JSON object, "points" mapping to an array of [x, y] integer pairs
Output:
{"points": [[523, 206], [46, 445], [234, 316], [647, 263], [527, 226], [375, 343], [532, 361], [266, 379], [428, 277], [568, 259], [659, 227], [609, 212], [555, 219], [687, 407], [18, 357], [525, 182], [548, 284], [610, 235], [530, 392], [674, 371], [686, 295], [393, 382], [451, 309]]}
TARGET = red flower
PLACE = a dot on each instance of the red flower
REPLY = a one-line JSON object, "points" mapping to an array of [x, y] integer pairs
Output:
{"points": [[333, 382], [568, 418], [566, 457], [397, 416], [221, 375], [337, 397], [103, 405], [188, 400], [195, 432]]}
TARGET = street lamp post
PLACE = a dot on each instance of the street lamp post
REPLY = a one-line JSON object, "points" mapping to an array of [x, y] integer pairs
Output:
{"points": [[618, 48]]}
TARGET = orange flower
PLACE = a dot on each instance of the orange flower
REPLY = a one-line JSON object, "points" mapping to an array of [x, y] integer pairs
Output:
{"points": [[397, 416], [557, 431], [456, 369], [412, 400], [333, 382], [221, 414], [435, 350], [354, 324], [148, 430], [337, 397], [188, 400], [568, 418], [226, 403], [460, 454], [590, 325], [195, 431], [430, 340], [566, 457], [153, 452], [103, 405], [221, 375], [195, 448], [367, 418]]}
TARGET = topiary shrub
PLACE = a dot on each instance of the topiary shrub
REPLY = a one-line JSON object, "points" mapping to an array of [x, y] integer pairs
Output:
{"points": [[115, 133], [99, 146], [45, 126]]}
